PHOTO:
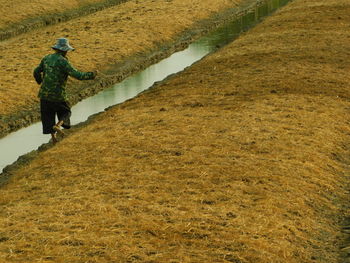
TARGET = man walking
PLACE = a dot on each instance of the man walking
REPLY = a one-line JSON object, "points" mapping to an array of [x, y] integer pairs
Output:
{"points": [[52, 74]]}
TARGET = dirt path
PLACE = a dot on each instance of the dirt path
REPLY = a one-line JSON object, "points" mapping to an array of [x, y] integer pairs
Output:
{"points": [[101, 39], [241, 158]]}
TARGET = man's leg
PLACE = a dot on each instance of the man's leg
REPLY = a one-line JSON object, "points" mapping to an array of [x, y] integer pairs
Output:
{"points": [[63, 115], [54, 138], [57, 127], [48, 119]]}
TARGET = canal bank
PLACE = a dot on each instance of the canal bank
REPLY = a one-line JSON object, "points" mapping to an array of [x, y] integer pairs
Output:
{"points": [[240, 158]]}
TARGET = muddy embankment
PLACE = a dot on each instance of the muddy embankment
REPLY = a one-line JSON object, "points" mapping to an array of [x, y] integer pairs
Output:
{"points": [[243, 157], [125, 40]]}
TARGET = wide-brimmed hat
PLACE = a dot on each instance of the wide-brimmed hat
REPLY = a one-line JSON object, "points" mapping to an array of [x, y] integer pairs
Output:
{"points": [[63, 45]]}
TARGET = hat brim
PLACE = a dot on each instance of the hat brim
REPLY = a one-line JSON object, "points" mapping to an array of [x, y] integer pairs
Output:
{"points": [[65, 48]]}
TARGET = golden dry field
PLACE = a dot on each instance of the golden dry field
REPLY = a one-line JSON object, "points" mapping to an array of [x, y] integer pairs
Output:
{"points": [[15, 11], [242, 158], [100, 39]]}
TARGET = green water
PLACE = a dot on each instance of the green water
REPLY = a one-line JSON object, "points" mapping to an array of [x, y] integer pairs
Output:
{"points": [[228, 32]]}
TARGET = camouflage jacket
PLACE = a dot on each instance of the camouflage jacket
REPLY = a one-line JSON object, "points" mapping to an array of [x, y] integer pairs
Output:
{"points": [[52, 74]]}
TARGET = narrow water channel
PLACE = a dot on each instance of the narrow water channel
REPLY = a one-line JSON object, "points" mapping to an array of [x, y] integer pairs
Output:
{"points": [[28, 139]]}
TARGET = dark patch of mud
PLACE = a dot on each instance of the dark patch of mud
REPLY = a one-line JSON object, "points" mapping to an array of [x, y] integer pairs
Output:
{"points": [[131, 65], [344, 213], [344, 222], [345, 248], [54, 18]]}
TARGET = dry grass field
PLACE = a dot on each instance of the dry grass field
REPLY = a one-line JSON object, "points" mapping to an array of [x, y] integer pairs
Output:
{"points": [[15, 11], [100, 39], [241, 158]]}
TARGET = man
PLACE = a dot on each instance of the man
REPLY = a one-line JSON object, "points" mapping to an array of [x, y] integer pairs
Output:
{"points": [[52, 74]]}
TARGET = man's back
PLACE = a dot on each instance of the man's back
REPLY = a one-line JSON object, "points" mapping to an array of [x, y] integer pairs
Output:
{"points": [[52, 74]]}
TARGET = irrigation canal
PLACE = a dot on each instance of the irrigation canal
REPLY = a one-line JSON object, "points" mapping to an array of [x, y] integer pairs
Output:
{"points": [[30, 138]]}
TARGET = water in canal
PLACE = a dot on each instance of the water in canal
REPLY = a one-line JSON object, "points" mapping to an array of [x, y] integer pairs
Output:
{"points": [[27, 139]]}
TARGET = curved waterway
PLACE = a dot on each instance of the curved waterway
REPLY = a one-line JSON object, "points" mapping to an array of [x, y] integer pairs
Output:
{"points": [[28, 139]]}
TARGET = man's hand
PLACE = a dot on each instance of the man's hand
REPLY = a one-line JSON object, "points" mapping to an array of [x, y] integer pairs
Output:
{"points": [[95, 73]]}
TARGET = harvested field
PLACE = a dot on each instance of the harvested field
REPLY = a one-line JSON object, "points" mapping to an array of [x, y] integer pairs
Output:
{"points": [[101, 39], [27, 16], [241, 158], [16, 11]]}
